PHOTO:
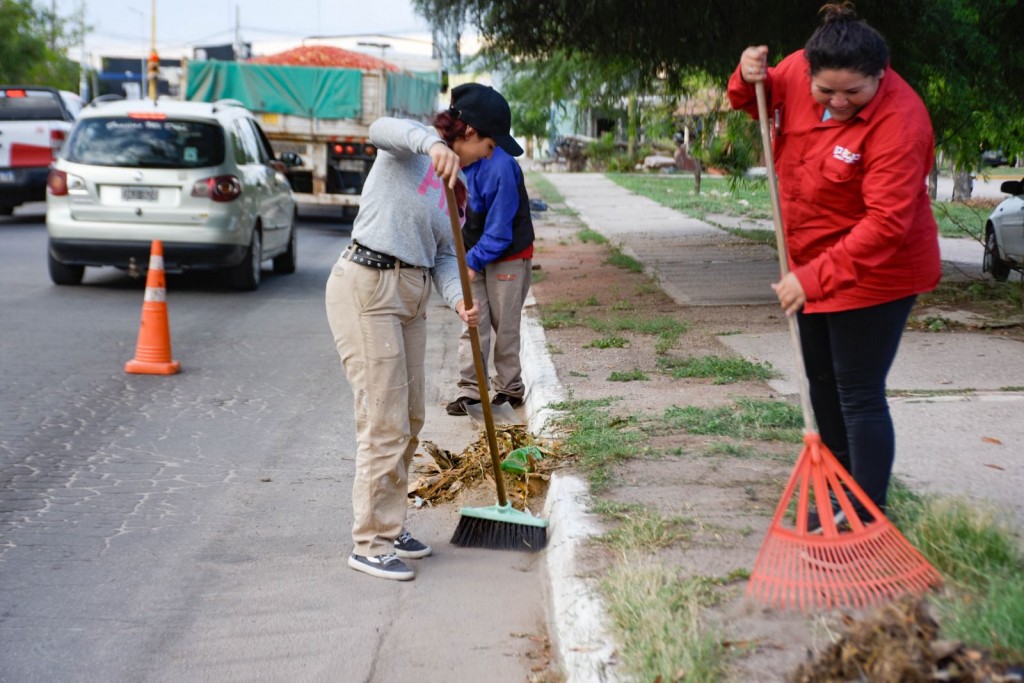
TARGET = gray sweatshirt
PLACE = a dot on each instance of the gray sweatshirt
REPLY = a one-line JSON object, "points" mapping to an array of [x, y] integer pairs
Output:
{"points": [[402, 211]]}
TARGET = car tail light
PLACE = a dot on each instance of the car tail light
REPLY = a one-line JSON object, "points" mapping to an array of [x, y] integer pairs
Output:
{"points": [[354, 149], [57, 183], [57, 138], [222, 188], [15, 93]]}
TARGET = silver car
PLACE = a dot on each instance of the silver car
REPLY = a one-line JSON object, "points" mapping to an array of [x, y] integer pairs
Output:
{"points": [[1004, 233], [200, 177]]}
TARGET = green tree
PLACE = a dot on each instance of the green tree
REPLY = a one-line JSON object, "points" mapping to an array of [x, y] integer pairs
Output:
{"points": [[962, 56], [32, 45]]}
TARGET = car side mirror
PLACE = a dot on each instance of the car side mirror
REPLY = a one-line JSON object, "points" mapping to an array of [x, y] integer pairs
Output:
{"points": [[1014, 187], [291, 159]]}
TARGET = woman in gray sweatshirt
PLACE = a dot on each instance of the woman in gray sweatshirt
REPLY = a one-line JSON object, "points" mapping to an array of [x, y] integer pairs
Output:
{"points": [[376, 305]]}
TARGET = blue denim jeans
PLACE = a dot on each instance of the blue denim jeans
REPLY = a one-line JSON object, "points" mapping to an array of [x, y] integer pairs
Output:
{"points": [[847, 356]]}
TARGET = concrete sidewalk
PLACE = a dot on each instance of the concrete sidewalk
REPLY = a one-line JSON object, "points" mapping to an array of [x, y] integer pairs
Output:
{"points": [[958, 414]]}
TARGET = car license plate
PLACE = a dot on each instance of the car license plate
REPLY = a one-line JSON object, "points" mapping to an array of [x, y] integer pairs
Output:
{"points": [[140, 194], [6, 176]]}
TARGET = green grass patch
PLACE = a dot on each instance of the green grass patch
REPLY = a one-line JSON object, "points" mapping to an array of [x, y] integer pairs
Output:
{"points": [[620, 260], [661, 325], [559, 314], [548, 192], [720, 370], [746, 419], [638, 527], [587, 235], [745, 198], [951, 293], [628, 376], [668, 330], [749, 199], [598, 438], [657, 619], [553, 320], [607, 343], [982, 603], [766, 237], [963, 219]]}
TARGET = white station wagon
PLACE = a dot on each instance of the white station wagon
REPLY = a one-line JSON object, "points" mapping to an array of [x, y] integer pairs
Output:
{"points": [[200, 177], [1004, 233]]}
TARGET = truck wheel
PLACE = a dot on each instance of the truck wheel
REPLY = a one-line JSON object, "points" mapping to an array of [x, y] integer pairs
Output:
{"points": [[246, 275], [999, 268], [63, 274], [285, 263]]}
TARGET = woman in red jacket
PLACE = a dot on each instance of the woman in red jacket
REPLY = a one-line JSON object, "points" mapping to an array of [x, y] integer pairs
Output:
{"points": [[853, 145]]}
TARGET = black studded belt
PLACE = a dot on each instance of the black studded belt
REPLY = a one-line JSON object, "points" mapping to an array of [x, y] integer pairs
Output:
{"points": [[357, 253]]}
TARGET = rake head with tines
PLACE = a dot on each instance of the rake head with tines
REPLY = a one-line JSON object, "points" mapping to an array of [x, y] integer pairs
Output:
{"points": [[862, 565]]}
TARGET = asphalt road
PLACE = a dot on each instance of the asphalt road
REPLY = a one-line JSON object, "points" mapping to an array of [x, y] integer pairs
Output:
{"points": [[195, 527]]}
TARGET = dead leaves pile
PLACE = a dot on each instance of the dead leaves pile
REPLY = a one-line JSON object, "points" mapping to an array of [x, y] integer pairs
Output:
{"points": [[899, 644], [439, 475]]}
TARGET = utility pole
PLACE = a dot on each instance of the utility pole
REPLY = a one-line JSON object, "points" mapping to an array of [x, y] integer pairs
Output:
{"points": [[83, 77], [154, 59]]}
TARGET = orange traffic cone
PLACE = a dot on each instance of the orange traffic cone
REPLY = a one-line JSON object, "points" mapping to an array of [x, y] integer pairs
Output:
{"points": [[153, 351]]}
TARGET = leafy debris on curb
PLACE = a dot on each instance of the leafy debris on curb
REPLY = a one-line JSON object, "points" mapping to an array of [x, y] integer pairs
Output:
{"points": [[439, 475]]}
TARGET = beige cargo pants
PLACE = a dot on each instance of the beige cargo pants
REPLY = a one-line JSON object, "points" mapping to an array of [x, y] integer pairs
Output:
{"points": [[500, 293], [378, 319]]}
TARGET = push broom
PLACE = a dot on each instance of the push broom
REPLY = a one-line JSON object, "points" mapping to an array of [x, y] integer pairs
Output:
{"points": [[869, 563], [499, 527]]}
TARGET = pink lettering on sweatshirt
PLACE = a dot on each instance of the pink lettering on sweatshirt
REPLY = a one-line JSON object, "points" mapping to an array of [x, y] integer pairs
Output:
{"points": [[432, 181]]}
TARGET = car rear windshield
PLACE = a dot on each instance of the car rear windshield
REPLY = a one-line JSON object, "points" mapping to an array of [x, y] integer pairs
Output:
{"points": [[24, 104], [145, 143]]}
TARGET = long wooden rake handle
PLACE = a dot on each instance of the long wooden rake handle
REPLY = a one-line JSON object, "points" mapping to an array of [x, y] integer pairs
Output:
{"points": [[474, 339], [780, 243]]}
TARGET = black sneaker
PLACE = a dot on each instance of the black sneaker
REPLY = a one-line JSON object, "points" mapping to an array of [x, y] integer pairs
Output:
{"points": [[382, 566], [458, 406], [514, 401], [408, 547], [814, 521]]}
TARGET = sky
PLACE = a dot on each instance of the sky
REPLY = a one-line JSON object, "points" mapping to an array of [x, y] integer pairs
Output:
{"points": [[123, 27]]}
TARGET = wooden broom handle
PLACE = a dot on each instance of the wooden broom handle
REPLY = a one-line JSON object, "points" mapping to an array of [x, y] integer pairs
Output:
{"points": [[780, 243], [474, 342]]}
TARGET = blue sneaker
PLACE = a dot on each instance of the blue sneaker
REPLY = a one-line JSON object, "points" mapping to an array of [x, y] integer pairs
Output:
{"points": [[408, 547], [382, 566]]}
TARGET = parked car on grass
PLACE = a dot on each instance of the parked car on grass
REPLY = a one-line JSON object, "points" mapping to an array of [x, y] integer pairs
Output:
{"points": [[1004, 233], [201, 177], [994, 157]]}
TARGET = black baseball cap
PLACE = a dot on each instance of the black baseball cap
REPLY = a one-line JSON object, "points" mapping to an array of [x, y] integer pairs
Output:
{"points": [[483, 107]]}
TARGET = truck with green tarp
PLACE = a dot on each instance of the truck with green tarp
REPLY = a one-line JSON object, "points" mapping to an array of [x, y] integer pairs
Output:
{"points": [[322, 114]]}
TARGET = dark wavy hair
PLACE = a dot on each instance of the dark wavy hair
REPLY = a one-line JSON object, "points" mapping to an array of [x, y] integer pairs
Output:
{"points": [[845, 42], [452, 129]]}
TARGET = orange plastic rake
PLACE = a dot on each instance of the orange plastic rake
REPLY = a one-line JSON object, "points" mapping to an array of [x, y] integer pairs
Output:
{"points": [[865, 565], [868, 564]]}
